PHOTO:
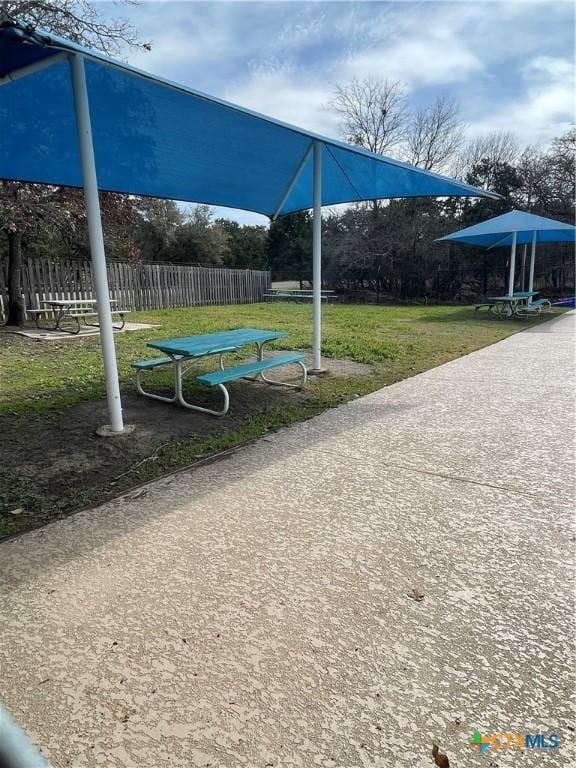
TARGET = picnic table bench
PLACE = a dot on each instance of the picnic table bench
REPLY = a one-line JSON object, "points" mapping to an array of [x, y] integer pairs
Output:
{"points": [[535, 307], [182, 352], [76, 310]]}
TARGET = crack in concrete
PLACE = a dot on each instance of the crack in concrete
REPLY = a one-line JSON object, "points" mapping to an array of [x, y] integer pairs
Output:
{"points": [[443, 475]]}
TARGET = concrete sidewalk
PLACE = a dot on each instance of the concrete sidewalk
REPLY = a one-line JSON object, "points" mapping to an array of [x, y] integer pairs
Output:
{"points": [[259, 611]]}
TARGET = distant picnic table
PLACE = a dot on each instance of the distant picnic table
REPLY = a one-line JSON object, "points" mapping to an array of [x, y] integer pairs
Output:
{"points": [[75, 310], [297, 294], [519, 304]]}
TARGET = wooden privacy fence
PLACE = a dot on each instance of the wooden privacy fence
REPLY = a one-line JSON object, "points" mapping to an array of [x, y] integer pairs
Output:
{"points": [[139, 286]]}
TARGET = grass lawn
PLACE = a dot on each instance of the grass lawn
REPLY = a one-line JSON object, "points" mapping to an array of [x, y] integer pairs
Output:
{"points": [[51, 396]]}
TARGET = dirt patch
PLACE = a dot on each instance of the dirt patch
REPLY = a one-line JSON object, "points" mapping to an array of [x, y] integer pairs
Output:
{"points": [[49, 462], [335, 367], [38, 334]]}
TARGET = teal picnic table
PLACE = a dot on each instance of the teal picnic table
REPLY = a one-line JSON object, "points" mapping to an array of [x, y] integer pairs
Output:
{"points": [[182, 352], [503, 307]]}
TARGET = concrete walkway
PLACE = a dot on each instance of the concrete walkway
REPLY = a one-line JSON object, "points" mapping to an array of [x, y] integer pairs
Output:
{"points": [[260, 610]]}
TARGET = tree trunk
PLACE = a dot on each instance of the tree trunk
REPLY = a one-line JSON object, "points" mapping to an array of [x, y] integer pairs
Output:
{"points": [[16, 309]]}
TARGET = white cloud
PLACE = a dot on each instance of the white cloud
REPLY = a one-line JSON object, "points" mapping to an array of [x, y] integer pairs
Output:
{"points": [[185, 42], [387, 44], [544, 109], [416, 62], [549, 67], [287, 96]]}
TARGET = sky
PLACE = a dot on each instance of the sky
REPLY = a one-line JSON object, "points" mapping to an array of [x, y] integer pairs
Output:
{"points": [[510, 64]]}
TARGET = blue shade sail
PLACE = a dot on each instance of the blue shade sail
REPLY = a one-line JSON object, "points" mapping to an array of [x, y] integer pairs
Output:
{"points": [[499, 230], [155, 138]]}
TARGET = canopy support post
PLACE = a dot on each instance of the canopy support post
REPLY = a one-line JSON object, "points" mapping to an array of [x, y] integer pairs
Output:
{"points": [[512, 265], [96, 238], [532, 263], [524, 249], [317, 262]]}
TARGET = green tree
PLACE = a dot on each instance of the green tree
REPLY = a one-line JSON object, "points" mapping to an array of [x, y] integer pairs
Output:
{"points": [[157, 228], [500, 177], [289, 247], [246, 245], [198, 240]]}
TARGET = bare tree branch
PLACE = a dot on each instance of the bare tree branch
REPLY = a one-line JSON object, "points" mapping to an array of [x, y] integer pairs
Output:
{"points": [[435, 135], [373, 113], [495, 148], [79, 20]]}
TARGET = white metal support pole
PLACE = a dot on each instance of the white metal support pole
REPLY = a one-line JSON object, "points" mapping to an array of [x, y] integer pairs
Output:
{"points": [[524, 249], [96, 238], [317, 261], [512, 265], [532, 263], [37, 66]]}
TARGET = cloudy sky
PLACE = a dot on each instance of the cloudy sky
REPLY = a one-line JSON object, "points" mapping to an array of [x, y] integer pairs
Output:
{"points": [[509, 64]]}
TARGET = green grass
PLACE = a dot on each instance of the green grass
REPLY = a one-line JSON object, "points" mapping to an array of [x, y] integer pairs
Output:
{"points": [[38, 379], [38, 376]]}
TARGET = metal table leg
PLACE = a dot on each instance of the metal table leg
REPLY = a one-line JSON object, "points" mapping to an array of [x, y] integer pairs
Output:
{"points": [[182, 400]]}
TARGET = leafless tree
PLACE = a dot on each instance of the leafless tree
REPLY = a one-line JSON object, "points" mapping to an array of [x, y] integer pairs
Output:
{"points": [[495, 149], [435, 135], [79, 20], [562, 169], [549, 176], [532, 167], [373, 113]]}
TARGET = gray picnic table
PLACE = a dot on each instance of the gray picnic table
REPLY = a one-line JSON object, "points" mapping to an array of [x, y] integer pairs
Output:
{"points": [[75, 310], [182, 352], [298, 294]]}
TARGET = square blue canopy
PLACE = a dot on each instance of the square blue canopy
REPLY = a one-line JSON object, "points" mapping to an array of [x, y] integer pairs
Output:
{"points": [[70, 116], [156, 138], [528, 227]]}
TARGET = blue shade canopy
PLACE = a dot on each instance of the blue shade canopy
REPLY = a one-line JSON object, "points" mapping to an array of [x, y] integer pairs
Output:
{"points": [[499, 230], [156, 138]]}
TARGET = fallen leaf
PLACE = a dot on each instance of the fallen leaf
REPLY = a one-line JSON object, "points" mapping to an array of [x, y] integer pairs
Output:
{"points": [[440, 759]]}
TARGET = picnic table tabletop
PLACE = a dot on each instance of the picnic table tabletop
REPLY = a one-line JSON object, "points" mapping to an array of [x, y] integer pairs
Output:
{"points": [[511, 299], [73, 302], [300, 290], [213, 343]]}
